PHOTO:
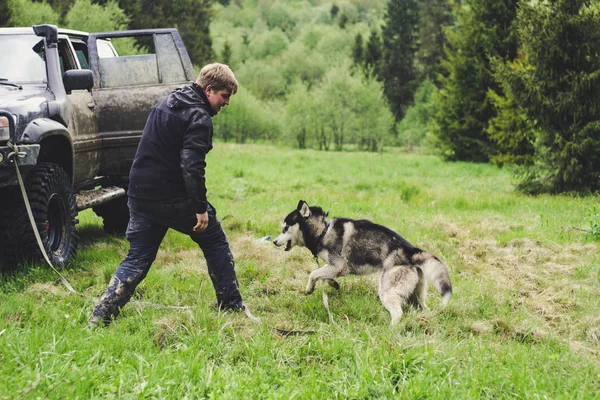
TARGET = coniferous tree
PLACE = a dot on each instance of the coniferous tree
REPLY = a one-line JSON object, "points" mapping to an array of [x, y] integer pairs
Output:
{"points": [[226, 53], [511, 132], [343, 21], [434, 17], [5, 13], [484, 29], [557, 85], [334, 11], [191, 17], [397, 69], [373, 57], [358, 51]]}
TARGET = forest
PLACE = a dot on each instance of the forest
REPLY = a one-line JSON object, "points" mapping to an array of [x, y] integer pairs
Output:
{"points": [[508, 82]]}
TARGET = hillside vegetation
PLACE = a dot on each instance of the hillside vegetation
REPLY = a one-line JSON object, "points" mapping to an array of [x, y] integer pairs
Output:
{"points": [[511, 82]]}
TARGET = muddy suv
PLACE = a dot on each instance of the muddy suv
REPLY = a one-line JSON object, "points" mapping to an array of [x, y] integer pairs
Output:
{"points": [[72, 109]]}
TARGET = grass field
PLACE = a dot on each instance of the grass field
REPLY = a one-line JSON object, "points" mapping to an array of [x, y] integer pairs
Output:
{"points": [[524, 321]]}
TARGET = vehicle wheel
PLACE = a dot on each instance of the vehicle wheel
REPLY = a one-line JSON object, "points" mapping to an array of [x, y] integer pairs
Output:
{"points": [[55, 212], [8, 241], [115, 215]]}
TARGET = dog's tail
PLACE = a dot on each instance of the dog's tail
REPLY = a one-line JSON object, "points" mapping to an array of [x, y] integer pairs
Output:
{"points": [[436, 273]]}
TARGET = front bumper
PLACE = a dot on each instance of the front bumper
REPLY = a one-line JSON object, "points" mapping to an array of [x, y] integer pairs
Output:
{"points": [[8, 175]]}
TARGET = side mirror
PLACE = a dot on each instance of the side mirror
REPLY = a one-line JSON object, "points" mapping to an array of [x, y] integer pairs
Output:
{"points": [[78, 79]]}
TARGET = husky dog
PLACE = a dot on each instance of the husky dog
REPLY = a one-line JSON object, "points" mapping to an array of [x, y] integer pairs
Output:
{"points": [[360, 247]]}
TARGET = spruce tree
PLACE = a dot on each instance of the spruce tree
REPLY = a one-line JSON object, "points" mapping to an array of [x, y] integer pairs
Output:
{"points": [[511, 132], [5, 13], [373, 57], [397, 70], [484, 29], [226, 53], [191, 17], [557, 85], [358, 51], [434, 17]]}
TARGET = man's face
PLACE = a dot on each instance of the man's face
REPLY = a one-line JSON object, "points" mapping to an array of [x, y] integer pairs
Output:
{"points": [[217, 99]]}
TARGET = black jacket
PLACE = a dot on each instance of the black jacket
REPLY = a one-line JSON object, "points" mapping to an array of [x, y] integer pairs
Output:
{"points": [[170, 159]]}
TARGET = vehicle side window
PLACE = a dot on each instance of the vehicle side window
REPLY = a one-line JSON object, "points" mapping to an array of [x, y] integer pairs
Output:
{"points": [[170, 65], [67, 61], [105, 49], [154, 64], [81, 52]]}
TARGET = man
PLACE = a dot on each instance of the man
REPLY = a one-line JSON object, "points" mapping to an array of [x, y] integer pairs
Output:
{"points": [[167, 190]]}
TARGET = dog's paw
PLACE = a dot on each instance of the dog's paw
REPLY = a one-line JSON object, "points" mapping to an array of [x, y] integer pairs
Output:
{"points": [[333, 283], [310, 286]]}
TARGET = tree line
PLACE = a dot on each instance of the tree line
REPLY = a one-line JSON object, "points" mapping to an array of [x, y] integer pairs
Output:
{"points": [[504, 81], [512, 82], [192, 18]]}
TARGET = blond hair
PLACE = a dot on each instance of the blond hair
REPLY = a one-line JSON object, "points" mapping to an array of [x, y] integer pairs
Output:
{"points": [[218, 76]]}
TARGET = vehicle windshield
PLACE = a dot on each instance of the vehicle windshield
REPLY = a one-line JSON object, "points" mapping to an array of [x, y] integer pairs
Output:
{"points": [[22, 59]]}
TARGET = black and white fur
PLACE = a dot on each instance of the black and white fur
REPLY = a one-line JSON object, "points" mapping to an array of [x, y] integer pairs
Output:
{"points": [[359, 247]]}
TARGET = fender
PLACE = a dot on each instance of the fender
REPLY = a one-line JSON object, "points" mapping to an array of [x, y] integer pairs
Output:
{"points": [[41, 129]]}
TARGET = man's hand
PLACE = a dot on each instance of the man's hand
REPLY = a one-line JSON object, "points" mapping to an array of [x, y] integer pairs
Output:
{"points": [[202, 222]]}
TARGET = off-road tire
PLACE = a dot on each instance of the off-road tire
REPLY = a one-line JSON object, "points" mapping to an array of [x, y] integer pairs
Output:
{"points": [[54, 209], [115, 216], [10, 200]]}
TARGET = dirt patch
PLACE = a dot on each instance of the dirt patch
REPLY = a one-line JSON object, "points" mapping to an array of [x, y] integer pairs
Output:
{"points": [[43, 289]]}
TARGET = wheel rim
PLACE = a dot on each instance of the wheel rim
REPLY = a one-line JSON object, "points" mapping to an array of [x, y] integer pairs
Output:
{"points": [[55, 224]]}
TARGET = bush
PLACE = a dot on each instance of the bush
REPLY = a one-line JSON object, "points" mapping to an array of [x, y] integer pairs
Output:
{"points": [[85, 16], [264, 80], [268, 44], [594, 219], [247, 119], [414, 127], [27, 13]]}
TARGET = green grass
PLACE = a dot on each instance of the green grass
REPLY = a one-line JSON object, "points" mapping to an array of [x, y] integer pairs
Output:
{"points": [[524, 321]]}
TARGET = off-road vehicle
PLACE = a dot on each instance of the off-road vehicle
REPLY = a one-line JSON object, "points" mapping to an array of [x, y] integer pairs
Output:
{"points": [[72, 109]]}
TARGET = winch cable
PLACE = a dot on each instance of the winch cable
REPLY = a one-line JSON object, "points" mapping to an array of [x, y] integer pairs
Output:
{"points": [[15, 154], [283, 332]]}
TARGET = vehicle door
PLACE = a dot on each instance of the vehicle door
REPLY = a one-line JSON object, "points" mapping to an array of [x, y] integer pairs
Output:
{"points": [[83, 123], [128, 82]]}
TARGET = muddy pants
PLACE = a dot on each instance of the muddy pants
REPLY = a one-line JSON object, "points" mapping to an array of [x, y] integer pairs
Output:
{"points": [[148, 224]]}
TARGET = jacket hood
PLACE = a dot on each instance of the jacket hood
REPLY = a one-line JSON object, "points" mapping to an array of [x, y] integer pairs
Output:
{"points": [[188, 97]]}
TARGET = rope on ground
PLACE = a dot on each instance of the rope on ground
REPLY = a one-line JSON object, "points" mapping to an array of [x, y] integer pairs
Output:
{"points": [[326, 304]]}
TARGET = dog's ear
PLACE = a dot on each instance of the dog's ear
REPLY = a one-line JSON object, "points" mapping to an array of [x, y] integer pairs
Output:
{"points": [[326, 214], [304, 209]]}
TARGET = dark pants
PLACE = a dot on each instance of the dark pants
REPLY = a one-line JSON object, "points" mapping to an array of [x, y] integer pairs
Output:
{"points": [[148, 224]]}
